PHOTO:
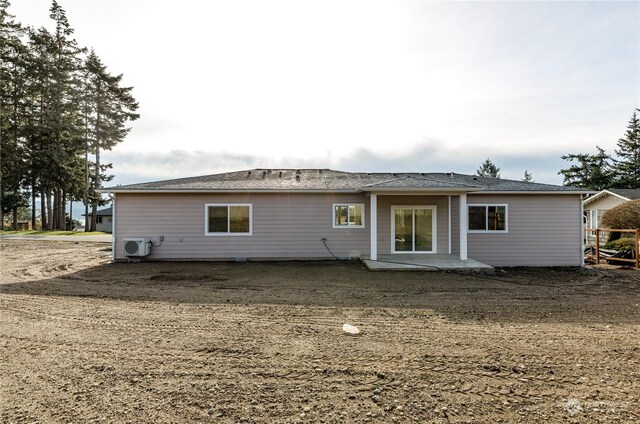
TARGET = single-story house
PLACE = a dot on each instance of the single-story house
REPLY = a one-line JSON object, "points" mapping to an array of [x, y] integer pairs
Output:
{"points": [[317, 213], [595, 206], [104, 219]]}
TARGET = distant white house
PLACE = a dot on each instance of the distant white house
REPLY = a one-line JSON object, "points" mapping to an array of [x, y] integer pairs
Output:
{"points": [[104, 220], [595, 206]]}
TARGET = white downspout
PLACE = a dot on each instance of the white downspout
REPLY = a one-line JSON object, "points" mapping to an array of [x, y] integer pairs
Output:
{"points": [[373, 222], [464, 216]]}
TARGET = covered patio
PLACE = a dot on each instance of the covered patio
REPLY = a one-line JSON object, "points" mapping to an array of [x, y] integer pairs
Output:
{"points": [[409, 262]]}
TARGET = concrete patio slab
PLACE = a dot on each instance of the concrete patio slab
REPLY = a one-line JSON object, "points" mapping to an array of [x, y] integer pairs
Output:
{"points": [[426, 262]]}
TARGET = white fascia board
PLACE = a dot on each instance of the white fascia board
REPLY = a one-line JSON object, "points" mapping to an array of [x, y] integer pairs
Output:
{"points": [[534, 192], [403, 190], [602, 194], [115, 190]]}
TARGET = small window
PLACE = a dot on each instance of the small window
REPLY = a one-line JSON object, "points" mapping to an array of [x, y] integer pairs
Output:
{"points": [[228, 219], [98, 220], [488, 218], [348, 215]]}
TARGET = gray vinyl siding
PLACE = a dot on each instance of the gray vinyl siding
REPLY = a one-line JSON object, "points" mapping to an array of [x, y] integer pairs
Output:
{"points": [[543, 230], [284, 226], [384, 219], [455, 225]]}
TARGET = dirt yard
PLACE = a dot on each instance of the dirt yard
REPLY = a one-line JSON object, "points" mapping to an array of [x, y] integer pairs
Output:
{"points": [[82, 339]]}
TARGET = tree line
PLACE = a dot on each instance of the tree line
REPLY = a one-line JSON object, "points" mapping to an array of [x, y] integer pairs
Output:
{"points": [[489, 169], [597, 171], [600, 171], [59, 109]]}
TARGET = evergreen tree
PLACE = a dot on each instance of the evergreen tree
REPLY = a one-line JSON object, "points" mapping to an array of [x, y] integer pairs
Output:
{"points": [[488, 169], [108, 107], [65, 119], [57, 106], [589, 171], [527, 178], [13, 55], [627, 166]]}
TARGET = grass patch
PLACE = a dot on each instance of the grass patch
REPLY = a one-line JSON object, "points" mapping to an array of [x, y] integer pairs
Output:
{"points": [[50, 233]]}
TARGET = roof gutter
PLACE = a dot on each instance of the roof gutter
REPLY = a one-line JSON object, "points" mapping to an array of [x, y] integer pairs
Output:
{"points": [[360, 190], [536, 192], [191, 191]]}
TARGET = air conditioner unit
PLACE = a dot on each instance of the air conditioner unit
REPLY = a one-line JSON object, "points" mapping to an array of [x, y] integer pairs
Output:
{"points": [[137, 246]]}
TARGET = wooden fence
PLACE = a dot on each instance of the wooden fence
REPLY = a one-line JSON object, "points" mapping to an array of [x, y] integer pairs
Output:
{"points": [[599, 237]]}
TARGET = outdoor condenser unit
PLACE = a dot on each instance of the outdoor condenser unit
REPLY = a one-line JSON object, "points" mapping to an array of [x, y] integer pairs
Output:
{"points": [[137, 246]]}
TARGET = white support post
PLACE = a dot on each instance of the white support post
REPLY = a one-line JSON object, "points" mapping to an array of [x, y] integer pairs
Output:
{"points": [[113, 229], [449, 210], [464, 216], [373, 223], [582, 235]]}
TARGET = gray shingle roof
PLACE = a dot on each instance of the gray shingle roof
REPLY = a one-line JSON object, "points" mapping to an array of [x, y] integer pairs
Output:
{"points": [[629, 193], [104, 212], [330, 180]]}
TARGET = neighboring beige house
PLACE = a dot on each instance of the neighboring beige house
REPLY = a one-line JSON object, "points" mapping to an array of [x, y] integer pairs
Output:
{"points": [[314, 213], [104, 220], [595, 206]]}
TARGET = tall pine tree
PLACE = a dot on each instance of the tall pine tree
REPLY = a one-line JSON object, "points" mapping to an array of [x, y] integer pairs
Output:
{"points": [[66, 123], [488, 169], [627, 165], [108, 108], [56, 107], [13, 59]]}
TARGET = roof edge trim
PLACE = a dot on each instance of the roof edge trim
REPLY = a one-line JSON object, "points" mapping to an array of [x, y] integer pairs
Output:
{"points": [[601, 193]]}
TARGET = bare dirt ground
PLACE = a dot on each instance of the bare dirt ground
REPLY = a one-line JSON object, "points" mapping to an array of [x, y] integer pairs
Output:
{"points": [[84, 340]]}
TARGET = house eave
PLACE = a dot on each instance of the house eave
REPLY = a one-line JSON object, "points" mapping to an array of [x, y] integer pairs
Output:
{"points": [[360, 190], [534, 192], [208, 191], [601, 194]]}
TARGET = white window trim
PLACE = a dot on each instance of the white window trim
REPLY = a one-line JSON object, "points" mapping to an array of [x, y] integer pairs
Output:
{"points": [[333, 215], [227, 234], [506, 219], [593, 219], [434, 229]]}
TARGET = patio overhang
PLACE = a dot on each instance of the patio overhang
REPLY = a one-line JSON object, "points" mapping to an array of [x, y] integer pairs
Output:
{"points": [[461, 193]]}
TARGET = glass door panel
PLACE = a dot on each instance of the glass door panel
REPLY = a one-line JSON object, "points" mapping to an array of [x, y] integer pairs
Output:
{"points": [[423, 234], [403, 230], [413, 229]]}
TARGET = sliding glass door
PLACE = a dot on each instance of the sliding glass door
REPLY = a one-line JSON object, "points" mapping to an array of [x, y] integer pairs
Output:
{"points": [[413, 229]]}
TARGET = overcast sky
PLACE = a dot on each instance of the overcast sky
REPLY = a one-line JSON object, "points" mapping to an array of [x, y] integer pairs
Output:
{"points": [[362, 86]]}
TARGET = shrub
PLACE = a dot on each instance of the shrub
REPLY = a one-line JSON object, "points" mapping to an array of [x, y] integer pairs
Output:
{"points": [[624, 216], [625, 243]]}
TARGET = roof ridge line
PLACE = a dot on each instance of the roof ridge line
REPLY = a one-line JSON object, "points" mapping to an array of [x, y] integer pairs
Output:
{"points": [[383, 182], [456, 183]]}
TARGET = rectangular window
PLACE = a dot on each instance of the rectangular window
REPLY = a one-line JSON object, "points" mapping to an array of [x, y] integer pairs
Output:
{"points": [[348, 215], [488, 218], [228, 219]]}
